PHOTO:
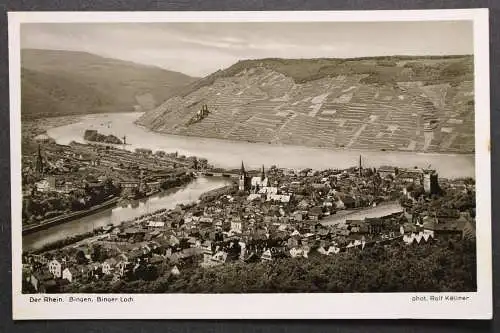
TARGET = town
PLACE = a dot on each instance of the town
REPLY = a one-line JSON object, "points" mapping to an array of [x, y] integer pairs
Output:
{"points": [[265, 215], [63, 181]]}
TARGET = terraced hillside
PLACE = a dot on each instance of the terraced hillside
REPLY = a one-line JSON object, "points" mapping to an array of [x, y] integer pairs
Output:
{"points": [[391, 103]]}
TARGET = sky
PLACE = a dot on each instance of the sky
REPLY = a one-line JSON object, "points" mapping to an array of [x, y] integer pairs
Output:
{"points": [[198, 49]]}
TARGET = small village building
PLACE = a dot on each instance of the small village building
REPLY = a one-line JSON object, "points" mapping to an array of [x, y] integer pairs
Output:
{"points": [[43, 139], [55, 268], [108, 266], [175, 271], [237, 226], [266, 255], [283, 198], [46, 185], [42, 281], [156, 224], [345, 202], [385, 171], [70, 274]]}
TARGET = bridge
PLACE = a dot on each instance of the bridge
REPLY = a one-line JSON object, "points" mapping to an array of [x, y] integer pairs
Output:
{"points": [[218, 174]]}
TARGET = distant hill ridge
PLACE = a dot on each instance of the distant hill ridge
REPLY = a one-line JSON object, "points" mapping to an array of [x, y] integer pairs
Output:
{"points": [[390, 103], [59, 82]]}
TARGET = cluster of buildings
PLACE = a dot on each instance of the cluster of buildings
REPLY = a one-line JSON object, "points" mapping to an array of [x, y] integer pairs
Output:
{"points": [[273, 214], [56, 172]]}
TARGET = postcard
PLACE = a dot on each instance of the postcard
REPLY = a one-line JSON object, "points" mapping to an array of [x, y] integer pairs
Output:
{"points": [[250, 165]]}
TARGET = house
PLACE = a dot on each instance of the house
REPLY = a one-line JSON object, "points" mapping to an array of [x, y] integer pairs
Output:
{"points": [[129, 184], [385, 171], [70, 274], [332, 249], [259, 182], [283, 198], [357, 226], [154, 186], [156, 224], [217, 259], [268, 190], [299, 252], [293, 242], [173, 241], [175, 271], [236, 225], [43, 186], [266, 255], [109, 265], [297, 216], [417, 238], [303, 204], [253, 196], [41, 279], [375, 225], [136, 254], [55, 268], [458, 227], [411, 176], [345, 202], [315, 213], [124, 268], [206, 220]]}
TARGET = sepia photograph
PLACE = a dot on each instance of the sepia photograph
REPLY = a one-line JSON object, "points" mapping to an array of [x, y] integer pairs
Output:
{"points": [[249, 157]]}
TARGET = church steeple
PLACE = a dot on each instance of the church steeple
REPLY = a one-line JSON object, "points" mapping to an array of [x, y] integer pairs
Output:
{"points": [[360, 166], [243, 180], [242, 170], [263, 173], [39, 161]]}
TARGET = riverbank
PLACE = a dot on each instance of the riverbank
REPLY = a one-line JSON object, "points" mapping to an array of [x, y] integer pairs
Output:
{"points": [[312, 146], [115, 215], [78, 214], [96, 232], [69, 217]]}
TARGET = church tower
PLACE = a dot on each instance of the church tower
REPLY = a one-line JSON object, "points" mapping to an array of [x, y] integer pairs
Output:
{"points": [[39, 162], [263, 173], [431, 182], [360, 167], [243, 178]]}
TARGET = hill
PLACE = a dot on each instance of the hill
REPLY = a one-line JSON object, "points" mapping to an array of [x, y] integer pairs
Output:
{"points": [[56, 83], [392, 103]]}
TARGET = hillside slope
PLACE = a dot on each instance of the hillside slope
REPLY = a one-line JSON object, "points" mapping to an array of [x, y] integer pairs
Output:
{"points": [[392, 103], [56, 83]]}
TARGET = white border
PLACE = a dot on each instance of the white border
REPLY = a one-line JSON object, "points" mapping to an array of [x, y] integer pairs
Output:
{"points": [[279, 306]]}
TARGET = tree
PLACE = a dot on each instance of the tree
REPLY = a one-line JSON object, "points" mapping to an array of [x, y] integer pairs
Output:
{"points": [[98, 254], [80, 258]]}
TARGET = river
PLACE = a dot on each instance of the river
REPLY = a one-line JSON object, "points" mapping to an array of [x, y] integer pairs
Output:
{"points": [[381, 210], [167, 199], [229, 154], [224, 154]]}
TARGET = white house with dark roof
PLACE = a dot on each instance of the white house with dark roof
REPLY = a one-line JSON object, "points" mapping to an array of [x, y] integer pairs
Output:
{"points": [[55, 268]]}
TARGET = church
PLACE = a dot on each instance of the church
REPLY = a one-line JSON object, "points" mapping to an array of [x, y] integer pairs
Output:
{"points": [[252, 184]]}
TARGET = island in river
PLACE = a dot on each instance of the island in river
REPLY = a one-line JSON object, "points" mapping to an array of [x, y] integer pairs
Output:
{"points": [[95, 136]]}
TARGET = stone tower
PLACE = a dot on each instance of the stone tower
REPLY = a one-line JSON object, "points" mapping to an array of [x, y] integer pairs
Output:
{"points": [[431, 184]]}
